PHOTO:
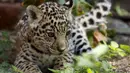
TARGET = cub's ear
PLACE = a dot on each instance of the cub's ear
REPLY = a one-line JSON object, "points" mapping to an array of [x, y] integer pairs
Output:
{"points": [[33, 12], [69, 3]]}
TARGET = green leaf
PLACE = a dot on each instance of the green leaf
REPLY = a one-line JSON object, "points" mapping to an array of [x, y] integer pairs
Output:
{"points": [[114, 44], [126, 48], [120, 11], [89, 70], [54, 71], [121, 52], [16, 69], [105, 65]]}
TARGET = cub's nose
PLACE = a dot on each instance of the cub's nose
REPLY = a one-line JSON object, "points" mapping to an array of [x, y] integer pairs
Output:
{"points": [[61, 42], [61, 46]]}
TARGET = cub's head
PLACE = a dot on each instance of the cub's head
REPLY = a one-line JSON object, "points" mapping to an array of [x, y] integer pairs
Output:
{"points": [[48, 25]]}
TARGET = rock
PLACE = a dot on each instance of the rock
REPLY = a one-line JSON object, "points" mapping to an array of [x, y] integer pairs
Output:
{"points": [[116, 23], [122, 39], [122, 31]]}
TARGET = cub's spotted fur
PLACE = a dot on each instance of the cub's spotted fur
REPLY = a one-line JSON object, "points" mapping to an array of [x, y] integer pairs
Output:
{"points": [[50, 35], [44, 40]]}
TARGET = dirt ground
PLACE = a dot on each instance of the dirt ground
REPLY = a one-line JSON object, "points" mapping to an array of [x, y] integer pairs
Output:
{"points": [[121, 65]]}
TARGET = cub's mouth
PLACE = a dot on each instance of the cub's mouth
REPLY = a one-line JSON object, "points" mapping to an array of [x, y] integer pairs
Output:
{"points": [[57, 52]]}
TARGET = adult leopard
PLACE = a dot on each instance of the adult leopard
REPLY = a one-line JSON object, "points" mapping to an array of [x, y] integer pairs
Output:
{"points": [[50, 35], [78, 42]]}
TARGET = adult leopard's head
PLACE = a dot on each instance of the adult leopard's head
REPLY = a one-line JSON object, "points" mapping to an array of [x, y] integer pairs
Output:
{"points": [[48, 25]]}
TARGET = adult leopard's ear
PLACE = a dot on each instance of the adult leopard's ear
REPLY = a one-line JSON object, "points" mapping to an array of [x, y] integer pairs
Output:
{"points": [[69, 3], [104, 0], [33, 12]]}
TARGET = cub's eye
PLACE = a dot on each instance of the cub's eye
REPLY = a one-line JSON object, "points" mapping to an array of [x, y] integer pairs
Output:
{"points": [[50, 34]]}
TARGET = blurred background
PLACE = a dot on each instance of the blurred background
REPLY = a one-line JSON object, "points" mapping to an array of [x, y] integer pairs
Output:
{"points": [[10, 11]]}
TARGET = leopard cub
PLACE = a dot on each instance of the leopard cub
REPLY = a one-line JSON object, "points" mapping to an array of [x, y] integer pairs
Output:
{"points": [[43, 38]]}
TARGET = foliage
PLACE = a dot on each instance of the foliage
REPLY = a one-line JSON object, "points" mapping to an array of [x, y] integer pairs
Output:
{"points": [[80, 6], [125, 48], [90, 63], [5, 45], [111, 33], [120, 11], [15, 69], [5, 67], [115, 51]]}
